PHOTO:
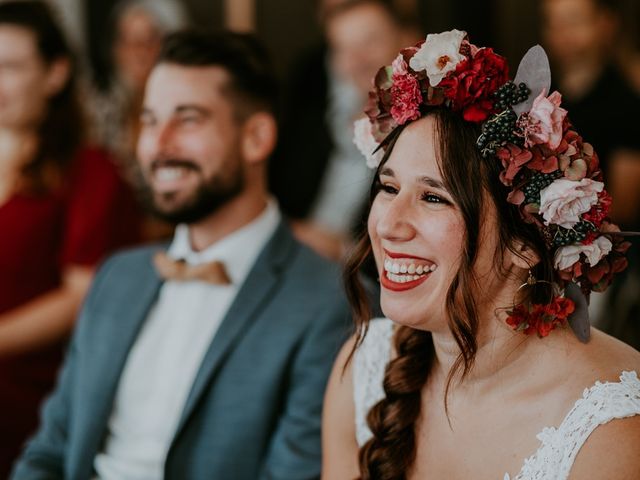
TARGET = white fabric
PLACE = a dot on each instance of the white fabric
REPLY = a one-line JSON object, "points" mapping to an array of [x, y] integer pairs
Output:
{"points": [[599, 404], [167, 354]]}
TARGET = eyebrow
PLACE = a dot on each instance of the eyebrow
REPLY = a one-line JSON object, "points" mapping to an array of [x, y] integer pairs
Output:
{"points": [[430, 181], [181, 109]]}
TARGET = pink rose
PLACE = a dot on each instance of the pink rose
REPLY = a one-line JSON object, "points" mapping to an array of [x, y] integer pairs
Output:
{"points": [[363, 139], [562, 202], [406, 98], [568, 255], [544, 121]]}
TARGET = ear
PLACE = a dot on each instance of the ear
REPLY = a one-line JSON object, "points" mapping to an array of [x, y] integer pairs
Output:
{"points": [[523, 255], [57, 75], [259, 136]]}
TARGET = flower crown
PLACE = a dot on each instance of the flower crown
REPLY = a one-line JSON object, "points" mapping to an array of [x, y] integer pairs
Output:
{"points": [[554, 175]]}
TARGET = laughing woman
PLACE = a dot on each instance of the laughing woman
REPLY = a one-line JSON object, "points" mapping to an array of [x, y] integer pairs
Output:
{"points": [[488, 225]]}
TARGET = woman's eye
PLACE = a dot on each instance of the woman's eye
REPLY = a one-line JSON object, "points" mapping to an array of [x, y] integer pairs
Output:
{"points": [[388, 189], [432, 198]]}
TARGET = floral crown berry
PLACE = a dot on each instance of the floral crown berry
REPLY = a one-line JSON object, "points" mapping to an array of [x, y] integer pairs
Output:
{"points": [[553, 174]]}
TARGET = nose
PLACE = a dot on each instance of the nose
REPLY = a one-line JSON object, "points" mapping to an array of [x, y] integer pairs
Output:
{"points": [[395, 222], [156, 141]]}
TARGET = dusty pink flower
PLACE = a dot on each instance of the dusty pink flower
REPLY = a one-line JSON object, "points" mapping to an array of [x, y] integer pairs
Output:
{"points": [[363, 139], [513, 158], [406, 98], [439, 55], [544, 122], [562, 202], [568, 255], [399, 66]]}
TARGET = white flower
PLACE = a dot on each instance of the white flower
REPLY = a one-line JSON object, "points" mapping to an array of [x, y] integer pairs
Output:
{"points": [[363, 138], [562, 202], [439, 55], [568, 255]]}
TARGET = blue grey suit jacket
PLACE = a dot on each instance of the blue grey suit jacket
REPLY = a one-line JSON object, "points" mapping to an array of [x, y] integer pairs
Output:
{"points": [[254, 408]]}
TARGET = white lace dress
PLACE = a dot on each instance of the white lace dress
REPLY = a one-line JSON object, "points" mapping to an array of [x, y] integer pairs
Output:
{"points": [[558, 446]]}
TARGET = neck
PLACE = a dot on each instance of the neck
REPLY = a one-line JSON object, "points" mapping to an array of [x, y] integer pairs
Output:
{"points": [[230, 217], [500, 349]]}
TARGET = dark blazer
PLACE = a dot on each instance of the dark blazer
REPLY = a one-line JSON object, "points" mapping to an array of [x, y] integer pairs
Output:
{"points": [[254, 408]]}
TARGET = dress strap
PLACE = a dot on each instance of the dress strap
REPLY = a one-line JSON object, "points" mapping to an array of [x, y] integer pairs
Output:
{"points": [[599, 404], [369, 363]]}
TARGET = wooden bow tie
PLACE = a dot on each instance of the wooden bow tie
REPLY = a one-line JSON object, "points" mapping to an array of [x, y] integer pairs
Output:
{"points": [[179, 270]]}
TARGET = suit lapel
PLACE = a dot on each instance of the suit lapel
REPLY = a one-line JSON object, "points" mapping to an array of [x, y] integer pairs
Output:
{"points": [[126, 316], [252, 298]]}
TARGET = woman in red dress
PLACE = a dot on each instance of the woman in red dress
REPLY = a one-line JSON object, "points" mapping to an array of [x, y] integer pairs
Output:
{"points": [[62, 208]]}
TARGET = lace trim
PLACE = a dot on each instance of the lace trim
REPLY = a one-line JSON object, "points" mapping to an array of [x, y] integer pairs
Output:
{"points": [[599, 404], [369, 363]]}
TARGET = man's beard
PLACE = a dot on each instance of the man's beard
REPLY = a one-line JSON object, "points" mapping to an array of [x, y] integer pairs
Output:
{"points": [[209, 196]]}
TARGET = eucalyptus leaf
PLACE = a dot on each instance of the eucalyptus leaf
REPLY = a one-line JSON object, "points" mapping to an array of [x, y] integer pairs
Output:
{"points": [[535, 73]]}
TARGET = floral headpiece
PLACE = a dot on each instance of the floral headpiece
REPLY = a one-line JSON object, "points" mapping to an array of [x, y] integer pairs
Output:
{"points": [[554, 175]]}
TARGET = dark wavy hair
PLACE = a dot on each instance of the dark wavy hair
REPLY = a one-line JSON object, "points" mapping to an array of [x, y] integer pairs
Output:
{"points": [[470, 179], [62, 130]]}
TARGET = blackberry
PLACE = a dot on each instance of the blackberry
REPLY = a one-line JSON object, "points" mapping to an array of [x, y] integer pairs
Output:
{"points": [[537, 182], [566, 236], [509, 94], [497, 131]]}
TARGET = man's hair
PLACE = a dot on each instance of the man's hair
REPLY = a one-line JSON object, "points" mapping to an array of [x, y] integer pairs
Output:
{"points": [[241, 55]]}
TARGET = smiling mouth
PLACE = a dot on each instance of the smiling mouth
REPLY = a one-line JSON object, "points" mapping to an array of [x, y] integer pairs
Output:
{"points": [[405, 272], [168, 173]]}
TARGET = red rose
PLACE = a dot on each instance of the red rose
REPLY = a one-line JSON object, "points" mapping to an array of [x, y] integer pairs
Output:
{"points": [[471, 85]]}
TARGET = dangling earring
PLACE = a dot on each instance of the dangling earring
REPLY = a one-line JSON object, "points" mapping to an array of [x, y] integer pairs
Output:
{"points": [[538, 318]]}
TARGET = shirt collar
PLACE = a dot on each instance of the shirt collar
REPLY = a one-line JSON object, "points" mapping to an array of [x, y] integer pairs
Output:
{"points": [[238, 250]]}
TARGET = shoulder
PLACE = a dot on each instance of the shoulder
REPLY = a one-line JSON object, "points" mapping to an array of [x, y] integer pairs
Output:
{"points": [[611, 450]]}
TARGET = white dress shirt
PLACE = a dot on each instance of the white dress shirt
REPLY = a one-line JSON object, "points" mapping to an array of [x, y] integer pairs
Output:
{"points": [[165, 358]]}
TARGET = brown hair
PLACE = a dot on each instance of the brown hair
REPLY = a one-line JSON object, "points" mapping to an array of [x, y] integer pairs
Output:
{"points": [[470, 179], [62, 130]]}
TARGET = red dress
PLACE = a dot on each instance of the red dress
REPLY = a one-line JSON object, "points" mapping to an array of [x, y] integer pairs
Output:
{"points": [[92, 214]]}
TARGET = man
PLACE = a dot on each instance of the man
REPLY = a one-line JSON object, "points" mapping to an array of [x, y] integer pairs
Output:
{"points": [[187, 379]]}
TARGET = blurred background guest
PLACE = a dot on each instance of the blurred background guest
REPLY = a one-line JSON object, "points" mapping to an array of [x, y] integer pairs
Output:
{"points": [[584, 39], [62, 208], [317, 173], [138, 27]]}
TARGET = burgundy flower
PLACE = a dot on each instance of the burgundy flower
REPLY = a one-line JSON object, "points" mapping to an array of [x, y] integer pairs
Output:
{"points": [[471, 85]]}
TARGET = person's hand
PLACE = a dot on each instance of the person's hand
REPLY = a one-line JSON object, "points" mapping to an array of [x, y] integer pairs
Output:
{"points": [[322, 241], [16, 151]]}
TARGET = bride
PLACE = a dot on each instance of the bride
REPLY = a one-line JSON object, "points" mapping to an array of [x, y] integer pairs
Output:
{"points": [[489, 229]]}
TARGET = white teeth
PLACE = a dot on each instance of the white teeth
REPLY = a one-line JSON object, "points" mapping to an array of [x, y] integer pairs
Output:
{"points": [[413, 272], [166, 174]]}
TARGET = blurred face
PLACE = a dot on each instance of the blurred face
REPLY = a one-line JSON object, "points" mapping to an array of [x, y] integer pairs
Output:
{"points": [[416, 231], [25, 86], [362, 39], [189, 145], [575, 29], [136, 48]]}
